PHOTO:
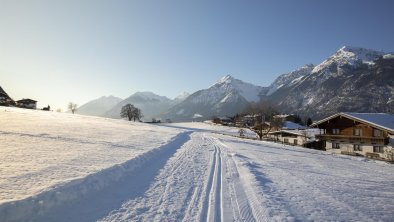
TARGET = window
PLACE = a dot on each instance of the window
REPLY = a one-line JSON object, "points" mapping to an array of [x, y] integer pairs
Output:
{"points": [[377, 133], [378, 149], [357, 132], [335, 145], [295, 142], [286, 140], [336, 131], [357, 147]]}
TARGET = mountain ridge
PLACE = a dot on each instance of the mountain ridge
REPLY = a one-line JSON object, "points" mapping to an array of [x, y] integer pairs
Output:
{"points": [[301, 91]]}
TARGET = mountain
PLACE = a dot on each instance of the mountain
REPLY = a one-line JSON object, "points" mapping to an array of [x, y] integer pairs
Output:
{"points": [[228, 96], [353, 79], [182, 96], [98, 106], [290, 78], [151, 105]]}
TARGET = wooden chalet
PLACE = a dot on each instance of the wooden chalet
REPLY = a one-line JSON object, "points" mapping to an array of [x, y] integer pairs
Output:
{"points": [[27, 103], [365, 134]]}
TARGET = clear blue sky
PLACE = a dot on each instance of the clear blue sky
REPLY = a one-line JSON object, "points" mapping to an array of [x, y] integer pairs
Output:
{"points": [[78, 50]]}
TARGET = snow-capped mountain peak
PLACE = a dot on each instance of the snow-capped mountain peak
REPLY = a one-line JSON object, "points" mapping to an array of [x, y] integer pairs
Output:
{"points": [[182, 96], [230, 85], [348, 55], [226, 79]]}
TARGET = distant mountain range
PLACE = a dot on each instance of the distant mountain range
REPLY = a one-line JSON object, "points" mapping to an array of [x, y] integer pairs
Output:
{"points": [[151, 105], [98, 107], [353, 79]]}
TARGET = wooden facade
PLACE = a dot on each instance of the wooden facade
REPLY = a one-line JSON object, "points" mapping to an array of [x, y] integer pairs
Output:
{"points": [[27, 103], [344, 134]]}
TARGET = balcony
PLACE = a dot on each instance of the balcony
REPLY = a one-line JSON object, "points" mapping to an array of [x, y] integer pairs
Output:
{"points": [[354, 139]]}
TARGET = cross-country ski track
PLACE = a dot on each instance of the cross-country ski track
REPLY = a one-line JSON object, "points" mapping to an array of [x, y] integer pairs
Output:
{"points": [[191, 172]]}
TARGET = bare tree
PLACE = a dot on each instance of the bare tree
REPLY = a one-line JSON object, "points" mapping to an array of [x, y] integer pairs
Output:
{"points": [[131, 112], [264, 122], [72, 107], [389, 153]]}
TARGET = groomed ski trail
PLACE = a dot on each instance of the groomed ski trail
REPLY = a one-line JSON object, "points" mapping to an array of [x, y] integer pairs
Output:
{"points": [[200, 182]]}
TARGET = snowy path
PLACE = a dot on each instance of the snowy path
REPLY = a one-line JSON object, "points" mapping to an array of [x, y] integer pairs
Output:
{"points": [[199, 183]]}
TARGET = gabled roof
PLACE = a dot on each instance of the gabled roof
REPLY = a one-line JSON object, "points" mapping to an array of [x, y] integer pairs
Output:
{"points": [[3, 93], [26, 101], [292, 132], [291, 125], [382, 121]]}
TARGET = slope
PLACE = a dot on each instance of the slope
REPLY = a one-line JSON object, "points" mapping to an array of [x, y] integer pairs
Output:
{"points": [[98, 106]]}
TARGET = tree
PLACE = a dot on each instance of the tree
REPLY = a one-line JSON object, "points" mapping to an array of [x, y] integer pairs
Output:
{"points": [[72, 107], [309, 121], [216, 120], [131, 112], [389, 153], [264, 122]]}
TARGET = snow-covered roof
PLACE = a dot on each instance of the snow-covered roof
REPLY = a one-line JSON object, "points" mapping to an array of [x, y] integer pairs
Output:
{"points": [[293, 132], [26, 101], [383, 121], [281, 116], [291, 125]]}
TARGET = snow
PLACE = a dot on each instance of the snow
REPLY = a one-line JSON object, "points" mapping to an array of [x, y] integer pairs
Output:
{"points": [[384, 120], [182, 96], [176, 172], [197, 115], [290, 78], [64, 147], [292, 125], [388, 56], [349, 55], [247, 90]]}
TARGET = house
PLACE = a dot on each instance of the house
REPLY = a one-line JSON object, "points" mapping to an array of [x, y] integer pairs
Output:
{"points": [[5, 100], [293, 137], [27, 103], [364, 134], [248, 120]]}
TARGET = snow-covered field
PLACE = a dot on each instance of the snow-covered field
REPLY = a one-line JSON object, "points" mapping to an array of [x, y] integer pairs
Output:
{"points": [[63, 167]]}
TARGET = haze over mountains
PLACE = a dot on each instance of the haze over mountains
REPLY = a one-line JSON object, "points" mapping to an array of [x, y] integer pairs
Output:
{"points": [[353, 79]]}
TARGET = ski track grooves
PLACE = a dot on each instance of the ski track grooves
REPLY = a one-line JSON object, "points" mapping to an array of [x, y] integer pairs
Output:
{"points": [[215, 208]]}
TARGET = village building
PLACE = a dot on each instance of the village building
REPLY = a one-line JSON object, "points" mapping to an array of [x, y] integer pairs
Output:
{"points": [[5, 100], [297, 137], [292, 137], [364, 134], [27, 103]]}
